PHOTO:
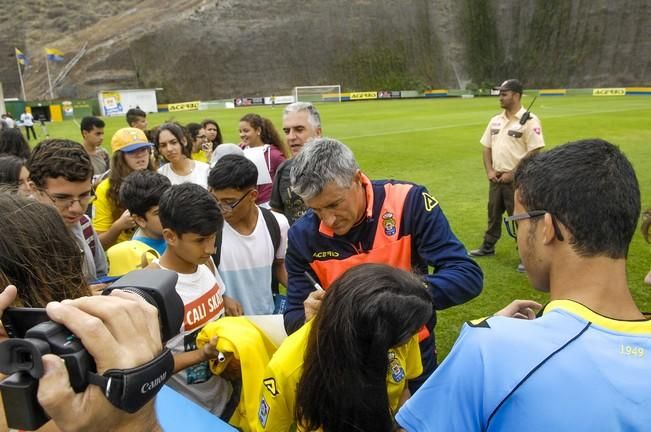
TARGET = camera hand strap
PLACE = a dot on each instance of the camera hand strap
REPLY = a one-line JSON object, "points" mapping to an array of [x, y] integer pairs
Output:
{"points": [[130, 389]]}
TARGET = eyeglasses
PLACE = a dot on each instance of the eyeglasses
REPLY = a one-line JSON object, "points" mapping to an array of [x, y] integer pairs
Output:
{"points": [[511, 222], [229, 207], [66, 203]]}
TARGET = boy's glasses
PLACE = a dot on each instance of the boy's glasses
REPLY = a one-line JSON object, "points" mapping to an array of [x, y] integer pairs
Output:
{"points": [[65, 203], [511, 222], [229, 207]]}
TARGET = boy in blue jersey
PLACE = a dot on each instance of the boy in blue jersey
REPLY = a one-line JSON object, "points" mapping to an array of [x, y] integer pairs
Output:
{"points": [[140, 193], [584, 364]]}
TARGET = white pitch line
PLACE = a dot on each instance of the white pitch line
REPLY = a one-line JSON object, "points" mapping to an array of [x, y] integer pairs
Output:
{"points": [[576, 114]]}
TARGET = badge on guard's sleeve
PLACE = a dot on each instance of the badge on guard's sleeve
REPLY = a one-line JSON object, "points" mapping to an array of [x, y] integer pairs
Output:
{"points": [[430, 201]]}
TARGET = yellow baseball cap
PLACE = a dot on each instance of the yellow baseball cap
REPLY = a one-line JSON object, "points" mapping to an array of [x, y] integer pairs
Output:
{"points": [[129, 255], [129, 139]]}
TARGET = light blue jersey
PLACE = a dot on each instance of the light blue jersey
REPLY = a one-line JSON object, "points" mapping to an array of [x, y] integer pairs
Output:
{"points": [[158, 245], [571, 369]]}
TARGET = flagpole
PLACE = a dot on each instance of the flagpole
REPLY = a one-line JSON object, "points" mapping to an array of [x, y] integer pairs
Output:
{"points": [[20, 75], [49, 80]]}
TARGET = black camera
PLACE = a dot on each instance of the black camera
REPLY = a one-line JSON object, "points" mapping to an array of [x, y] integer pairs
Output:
{"points": [[34, 335]]}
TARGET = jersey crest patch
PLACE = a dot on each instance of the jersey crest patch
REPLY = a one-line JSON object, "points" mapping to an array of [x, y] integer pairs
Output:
{"points": [[430, 201], [270, 385], [263, 412], [397, 372], [389, 224]]}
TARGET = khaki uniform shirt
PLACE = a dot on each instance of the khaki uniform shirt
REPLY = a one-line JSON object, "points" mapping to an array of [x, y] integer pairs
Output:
{"points": [[510, 141]]}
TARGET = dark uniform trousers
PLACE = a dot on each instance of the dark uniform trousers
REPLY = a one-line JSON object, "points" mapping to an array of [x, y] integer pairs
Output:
{"points": [[500, 200]]}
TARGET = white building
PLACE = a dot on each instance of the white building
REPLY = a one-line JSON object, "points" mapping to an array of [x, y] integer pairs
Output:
{"points": [[118, 102]]}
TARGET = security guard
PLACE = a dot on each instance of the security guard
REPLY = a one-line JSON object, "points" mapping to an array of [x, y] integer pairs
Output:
{"points": [[505, 142]]}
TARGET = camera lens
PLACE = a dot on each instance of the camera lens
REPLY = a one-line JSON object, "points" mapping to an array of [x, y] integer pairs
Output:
{"points": [[137, 291], [25, 358]]}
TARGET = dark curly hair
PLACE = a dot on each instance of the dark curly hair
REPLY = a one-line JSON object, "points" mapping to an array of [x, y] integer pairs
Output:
{"points": [[59, 158]]}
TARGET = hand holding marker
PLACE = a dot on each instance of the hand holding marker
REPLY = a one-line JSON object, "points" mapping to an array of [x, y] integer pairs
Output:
{"points": [[313, 282]]}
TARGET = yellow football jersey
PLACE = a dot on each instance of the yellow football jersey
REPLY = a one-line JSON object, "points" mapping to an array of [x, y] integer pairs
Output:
{"points": [[278, 394]]}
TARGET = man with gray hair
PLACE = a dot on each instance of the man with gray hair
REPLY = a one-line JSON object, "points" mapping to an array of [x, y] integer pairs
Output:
{"points": [[301, 124], [354, 220]]}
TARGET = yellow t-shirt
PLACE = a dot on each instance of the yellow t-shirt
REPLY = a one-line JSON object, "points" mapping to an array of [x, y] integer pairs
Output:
{"points": [[284, 370], [103, 212], [200, 156]]}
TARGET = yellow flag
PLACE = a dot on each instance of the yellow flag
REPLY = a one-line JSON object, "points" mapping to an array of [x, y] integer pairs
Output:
{"points": [[54, 54], [20, 57]]}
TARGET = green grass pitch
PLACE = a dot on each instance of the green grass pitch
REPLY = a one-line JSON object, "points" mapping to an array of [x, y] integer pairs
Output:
{"points": [[435, 142]]}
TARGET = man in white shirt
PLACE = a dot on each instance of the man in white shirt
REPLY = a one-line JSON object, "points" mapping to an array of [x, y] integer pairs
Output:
{"points": [[28, 121]]}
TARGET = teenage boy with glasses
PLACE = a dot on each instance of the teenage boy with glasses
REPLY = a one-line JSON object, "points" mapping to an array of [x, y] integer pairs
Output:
{"points": [[254, 240], [511, 222], [60, 173]]}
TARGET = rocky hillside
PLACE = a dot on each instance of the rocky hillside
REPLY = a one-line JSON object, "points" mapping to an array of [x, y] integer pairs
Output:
{"points": [[223, 48]]}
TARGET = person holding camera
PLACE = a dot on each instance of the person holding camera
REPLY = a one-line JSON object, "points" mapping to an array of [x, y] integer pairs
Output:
{"points": [[34, 236], [120, 331], [42, 258]]}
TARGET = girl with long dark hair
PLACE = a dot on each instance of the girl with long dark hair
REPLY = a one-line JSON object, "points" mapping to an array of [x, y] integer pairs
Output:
{"points": [[348, 368], [201, 147], [263, 145], [131, 152], [12, 142], [172, 144], [39, 254], [14, 174], [213, 134]]}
